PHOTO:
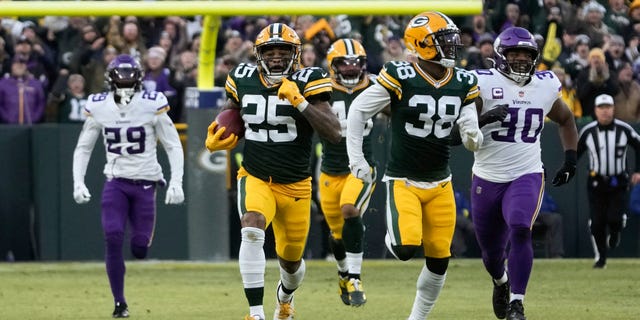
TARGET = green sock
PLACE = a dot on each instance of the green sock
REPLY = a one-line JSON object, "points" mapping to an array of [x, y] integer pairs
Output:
{"points": [[353, 234]]}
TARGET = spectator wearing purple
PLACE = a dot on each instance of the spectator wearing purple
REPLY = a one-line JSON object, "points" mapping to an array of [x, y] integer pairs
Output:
{"points": [[22, 98], [156, 77], [37, 65], [5, 57]]}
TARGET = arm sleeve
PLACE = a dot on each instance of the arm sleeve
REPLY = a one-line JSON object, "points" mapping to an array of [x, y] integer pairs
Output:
{"points": [[363, 107], [82, 153], [168, 136], [470, 133]]}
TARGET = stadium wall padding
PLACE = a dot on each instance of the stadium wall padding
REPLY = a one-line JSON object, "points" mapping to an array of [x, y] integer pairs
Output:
{"points": [[39, 219], [16, 211], [40, 159]]}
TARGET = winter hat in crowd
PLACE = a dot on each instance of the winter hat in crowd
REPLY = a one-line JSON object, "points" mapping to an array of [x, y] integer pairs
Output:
{"points": [[593, 6], [583, 39], [597, 52], [633, 5], [157, 52]]}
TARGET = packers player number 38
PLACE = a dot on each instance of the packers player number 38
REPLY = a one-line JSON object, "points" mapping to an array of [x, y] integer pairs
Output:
{"points": [[429, 115]]}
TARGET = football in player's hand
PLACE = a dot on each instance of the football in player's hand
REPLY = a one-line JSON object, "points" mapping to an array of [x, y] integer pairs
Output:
{"points": [[231, 119]]}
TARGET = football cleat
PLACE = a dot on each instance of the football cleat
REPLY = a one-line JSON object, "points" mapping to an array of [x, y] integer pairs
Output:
{"points": [[516, 311], [356, 293], [600, 264], [501, 299], [253, 317], [344, 292], [284, 310], [121, 310]]}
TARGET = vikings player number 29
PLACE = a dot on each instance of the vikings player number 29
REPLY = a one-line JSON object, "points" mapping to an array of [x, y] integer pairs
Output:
{"points": [[135, 135]]}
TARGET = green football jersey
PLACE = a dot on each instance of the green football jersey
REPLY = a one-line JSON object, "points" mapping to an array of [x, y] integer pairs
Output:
{"points": [[423, 111], [335, 160], [277, 143]]}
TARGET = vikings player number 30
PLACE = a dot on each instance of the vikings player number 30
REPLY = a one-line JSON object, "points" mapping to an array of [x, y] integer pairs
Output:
{"points": [[508, 174]]}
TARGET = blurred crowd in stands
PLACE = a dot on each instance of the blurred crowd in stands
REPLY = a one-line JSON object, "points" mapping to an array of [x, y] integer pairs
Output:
{"points": [[51, 64]]}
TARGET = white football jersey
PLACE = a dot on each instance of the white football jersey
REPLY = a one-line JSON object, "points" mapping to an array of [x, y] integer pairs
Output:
{"points": [[511, 148], [129, 132]]}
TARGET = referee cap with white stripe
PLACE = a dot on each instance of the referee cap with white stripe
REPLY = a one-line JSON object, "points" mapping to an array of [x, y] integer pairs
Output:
{"points": [[604, 99]]}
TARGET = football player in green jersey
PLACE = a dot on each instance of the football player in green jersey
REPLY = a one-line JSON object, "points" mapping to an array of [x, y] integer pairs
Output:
{"points": [[426, 98], [281, 107], [343, 197]]}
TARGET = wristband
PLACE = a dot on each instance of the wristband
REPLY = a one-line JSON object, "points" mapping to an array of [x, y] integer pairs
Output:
{"points": [[571, 157], [302, 105]]}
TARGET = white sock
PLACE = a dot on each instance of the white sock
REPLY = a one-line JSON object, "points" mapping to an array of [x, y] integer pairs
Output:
{"points": [[429, 285], [291, 281], [514, 296], [251, 257], [502, 279], [257, 310], [354, 260], [342, 265]]}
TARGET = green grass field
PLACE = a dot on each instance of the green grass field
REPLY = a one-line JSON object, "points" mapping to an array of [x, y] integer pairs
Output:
{"points": [[559, 289]]}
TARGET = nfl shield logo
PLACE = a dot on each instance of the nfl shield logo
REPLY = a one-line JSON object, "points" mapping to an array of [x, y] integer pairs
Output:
{"points": [[521, 94]]}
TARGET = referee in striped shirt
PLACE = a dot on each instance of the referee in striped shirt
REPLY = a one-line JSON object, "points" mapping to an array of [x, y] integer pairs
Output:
{"points": [[606, 141]]}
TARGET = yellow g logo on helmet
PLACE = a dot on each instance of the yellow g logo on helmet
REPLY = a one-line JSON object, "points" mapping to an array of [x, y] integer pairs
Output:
{"points": [[433, 36]]}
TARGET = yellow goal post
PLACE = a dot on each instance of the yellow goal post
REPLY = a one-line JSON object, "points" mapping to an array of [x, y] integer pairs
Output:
{"points": [[212, 11]]}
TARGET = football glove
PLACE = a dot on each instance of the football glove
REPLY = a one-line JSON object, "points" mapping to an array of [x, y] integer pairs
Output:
{"points": [[362, 171], [568, 169], [213, 142], [81, 193], [498, 113], [289, 90], [175, 195]]}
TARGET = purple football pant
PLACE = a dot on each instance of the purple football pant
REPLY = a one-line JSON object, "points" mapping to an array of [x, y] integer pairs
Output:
{"points": [[504, 213], [124, 200]]}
